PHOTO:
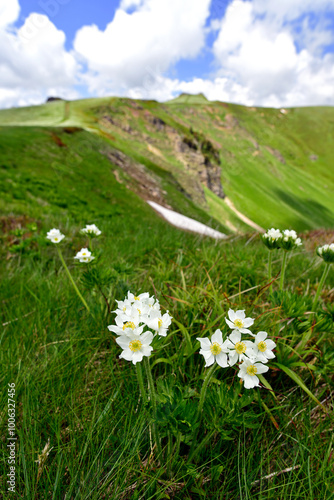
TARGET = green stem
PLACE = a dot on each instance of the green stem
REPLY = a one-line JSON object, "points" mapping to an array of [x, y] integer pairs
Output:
{"points": [[72, 280], [153, 402], [321, 284], [270, 258], [285, 255], [141, 383], [206, 382], [201, 444]]}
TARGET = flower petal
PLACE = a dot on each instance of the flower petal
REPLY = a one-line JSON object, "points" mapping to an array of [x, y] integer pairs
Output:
{"points": [[217, 337], [210, 360], [231, 314], [231, 325], [248, 322], [261, 368], [204, 342], [240, 314], [221, 359], [235, 336], [261, 336]]}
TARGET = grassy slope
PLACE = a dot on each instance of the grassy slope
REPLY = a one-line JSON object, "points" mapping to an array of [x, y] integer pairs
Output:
{"points": [[267, 170], [71, 387]]}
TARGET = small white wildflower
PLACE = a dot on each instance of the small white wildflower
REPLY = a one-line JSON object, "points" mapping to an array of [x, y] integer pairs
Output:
{"points": [[290, 240], [326, 252], [272, 238], [263, 347], [91, 230], [125, 326], [238, 321], [238, 349], [135, 346], [55, 236], [158, 322], [84, 255], [214, 350], [248, 373]]}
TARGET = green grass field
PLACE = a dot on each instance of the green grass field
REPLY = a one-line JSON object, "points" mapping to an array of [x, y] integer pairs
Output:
{"points": [[72, 389]]}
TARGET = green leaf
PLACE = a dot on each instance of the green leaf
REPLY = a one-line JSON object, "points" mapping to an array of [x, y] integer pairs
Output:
{"points": [[161, 360], [186, 335], [299, 381]]}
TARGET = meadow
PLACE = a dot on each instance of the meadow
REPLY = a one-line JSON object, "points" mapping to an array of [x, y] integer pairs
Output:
{"points": [[85, 407]]}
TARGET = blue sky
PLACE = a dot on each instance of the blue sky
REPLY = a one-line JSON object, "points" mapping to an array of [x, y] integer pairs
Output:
{"points": [[253, 52]]}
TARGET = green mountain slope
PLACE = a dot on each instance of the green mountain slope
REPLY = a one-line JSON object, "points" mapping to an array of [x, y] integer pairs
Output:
{"points": [[274, 166]]}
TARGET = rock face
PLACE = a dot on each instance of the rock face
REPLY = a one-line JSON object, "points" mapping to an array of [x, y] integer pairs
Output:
{"points": [[172, 144]]}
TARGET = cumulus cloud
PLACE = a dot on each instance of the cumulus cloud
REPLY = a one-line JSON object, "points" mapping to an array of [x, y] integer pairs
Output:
{"points": [[9, 12], [256, 48], [134, 46], [33, 60]]}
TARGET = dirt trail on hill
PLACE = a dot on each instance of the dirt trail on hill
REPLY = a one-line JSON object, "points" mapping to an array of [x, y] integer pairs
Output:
{"points": [[243, 217]]}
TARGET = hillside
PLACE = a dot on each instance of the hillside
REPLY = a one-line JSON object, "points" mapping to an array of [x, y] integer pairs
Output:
{"points": [[203, 159]]}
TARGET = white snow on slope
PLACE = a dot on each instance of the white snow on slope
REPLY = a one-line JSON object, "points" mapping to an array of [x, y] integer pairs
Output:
{"points": [[183, 222]]}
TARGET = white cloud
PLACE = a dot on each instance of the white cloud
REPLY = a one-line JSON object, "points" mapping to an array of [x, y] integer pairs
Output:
{"points": [[146, 42], [34, 62], [9, 12], [256, 49]]}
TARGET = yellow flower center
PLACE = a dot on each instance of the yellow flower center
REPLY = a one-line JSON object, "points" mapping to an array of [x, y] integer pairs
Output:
{"points": [[238, 323], [137, 298], [251, 370], [262, 346], [135, 345], [129, 324], [56, 239], [159, 323], [240, 347], [215, 348], [84, 253], [124, 309]]}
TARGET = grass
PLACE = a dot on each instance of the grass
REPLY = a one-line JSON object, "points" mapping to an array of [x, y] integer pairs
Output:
{"points": [[275, 167], [73, 391]]}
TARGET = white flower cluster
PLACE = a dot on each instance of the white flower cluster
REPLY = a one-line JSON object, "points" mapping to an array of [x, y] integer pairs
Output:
{"points": [[84, 255], [55, 236], [250, 355], [91, 230], [133, 314], [287, 239], [326, 252]]}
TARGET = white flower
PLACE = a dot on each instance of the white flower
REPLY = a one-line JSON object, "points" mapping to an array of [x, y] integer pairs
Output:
{"points": [[289, 234], [135, 346], [138, 298], [214, 350], [290, 240], [91, 230], [273, 234], [263, 347], [326, 252], [159, 323], [272, 238], [238, 350], [238, 321], [248, 372], [125, 325], [55, 236], [84, 255]]}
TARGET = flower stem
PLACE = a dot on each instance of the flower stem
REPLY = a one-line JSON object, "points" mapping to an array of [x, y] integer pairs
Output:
{"points": [[141, 383], [321, 284], [206, 382], [285, 255], [270, 258], [153, 400], [72, 280]]}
